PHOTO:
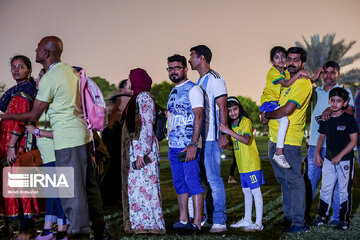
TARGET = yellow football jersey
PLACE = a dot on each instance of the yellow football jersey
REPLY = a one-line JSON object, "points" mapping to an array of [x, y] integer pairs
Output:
{"points": [[247, 156], [272, 88], [299, 93]]}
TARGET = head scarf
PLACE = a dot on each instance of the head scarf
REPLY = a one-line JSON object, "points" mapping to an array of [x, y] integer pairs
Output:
{"points": [[25, 89], [140, 82]]}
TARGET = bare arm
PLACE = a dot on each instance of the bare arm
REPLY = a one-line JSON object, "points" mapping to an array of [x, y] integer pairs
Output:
{"points": [[318, 73], [223, 115], [285, 110], [327, 112], [32, 116], [243, 139], [43, 133], [318, 160], [198, 118], [349, 147], [11, 153]]}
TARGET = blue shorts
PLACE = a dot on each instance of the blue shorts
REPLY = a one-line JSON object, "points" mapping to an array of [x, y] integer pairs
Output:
{"points": [[186, 175], [269, 106], [252, 180]]}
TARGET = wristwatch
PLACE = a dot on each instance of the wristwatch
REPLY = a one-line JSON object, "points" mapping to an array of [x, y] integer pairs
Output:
{"points": [[37, 132], [194, 144]]}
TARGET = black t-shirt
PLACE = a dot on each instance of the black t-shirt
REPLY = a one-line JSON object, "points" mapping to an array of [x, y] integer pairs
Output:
{"points": [[337, 131]]}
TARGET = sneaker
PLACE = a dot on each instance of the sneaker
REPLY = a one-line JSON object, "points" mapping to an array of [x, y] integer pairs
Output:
{"points": [[334, 223], [218, 228], [280, 160], [44, 237], [194, 228], [295, 229], [319, 221], [241, 224], [231, 180], [180, 225], [342, 225], [204, 223], [253, 228]]}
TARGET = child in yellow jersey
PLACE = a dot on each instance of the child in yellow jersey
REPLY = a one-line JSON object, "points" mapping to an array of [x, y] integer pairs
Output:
{"points": [[248, 162], [277, 78]]}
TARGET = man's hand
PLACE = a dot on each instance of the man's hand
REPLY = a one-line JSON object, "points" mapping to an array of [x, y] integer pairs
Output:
{"points": [[190, 153], [336, 160], [140, 163], [263, 119], [318, 160], [223, 141], [326, 114], [30, 128]]}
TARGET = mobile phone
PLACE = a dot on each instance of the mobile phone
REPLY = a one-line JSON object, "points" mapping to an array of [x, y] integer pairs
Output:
{"points": [[181, 156], [146, 160]]}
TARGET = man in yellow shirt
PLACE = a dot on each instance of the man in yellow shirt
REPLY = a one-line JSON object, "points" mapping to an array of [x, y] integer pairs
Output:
{"points": [[294, 101], [59, 90]]}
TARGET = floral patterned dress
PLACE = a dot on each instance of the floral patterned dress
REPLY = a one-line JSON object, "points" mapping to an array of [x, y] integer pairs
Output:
{"points": [[142, 210]]}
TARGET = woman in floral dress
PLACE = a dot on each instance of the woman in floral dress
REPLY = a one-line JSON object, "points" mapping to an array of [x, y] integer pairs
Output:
{"points": [[142, 210]]}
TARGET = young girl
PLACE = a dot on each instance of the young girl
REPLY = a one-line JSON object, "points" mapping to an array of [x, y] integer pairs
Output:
{"points": [[248, 162], [276, 79]]}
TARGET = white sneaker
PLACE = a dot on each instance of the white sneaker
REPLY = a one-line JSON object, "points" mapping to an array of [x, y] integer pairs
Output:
{"points": [[205, 224], [253, 228], [218, 228], [280, 160], [240, 224]]}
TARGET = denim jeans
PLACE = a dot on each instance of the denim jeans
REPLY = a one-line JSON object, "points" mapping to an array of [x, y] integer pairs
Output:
{"points": [[215, 199], [314, 174]]}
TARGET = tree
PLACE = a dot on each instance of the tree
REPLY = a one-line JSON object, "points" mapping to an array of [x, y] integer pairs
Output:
{"points": [[161, 92], [2, 88], [105, 87], [326, 49]]}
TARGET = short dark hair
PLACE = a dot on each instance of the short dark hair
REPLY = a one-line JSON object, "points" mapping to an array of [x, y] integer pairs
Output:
{"points": [[332, 64], [177, 58], [275, 50], [122, 83], [340, 92], [298, 50], [202, 50], [25, 59]]}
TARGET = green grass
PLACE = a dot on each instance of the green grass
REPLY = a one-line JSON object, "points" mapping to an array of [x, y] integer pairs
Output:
{"points": [[235, 207]]}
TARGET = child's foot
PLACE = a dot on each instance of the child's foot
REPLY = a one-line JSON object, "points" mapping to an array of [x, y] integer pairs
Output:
{"points": [[241, 224], [231, 180], [342, 225], [280, 160], [253, 228], [319, 221]]}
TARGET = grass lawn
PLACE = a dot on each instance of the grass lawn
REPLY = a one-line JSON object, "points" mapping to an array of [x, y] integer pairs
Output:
{"points": [[235, 207]]}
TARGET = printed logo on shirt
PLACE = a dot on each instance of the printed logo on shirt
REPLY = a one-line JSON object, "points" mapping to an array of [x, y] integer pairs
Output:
{"points": [[341, 128], [346, 167]]}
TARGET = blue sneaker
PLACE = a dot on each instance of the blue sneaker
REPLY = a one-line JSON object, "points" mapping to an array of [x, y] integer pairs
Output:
{"points": [[180, 225], [295, 229]]}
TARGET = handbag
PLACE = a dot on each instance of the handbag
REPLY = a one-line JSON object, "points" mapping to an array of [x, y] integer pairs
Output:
{"points": [[31, 158]]}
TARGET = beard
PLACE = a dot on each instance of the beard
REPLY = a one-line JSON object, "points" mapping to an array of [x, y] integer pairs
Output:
{"points": [[176, 80]]}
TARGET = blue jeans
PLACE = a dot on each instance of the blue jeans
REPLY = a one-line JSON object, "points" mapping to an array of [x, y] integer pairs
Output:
{"points": [[314, 174], [215, 199]]}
